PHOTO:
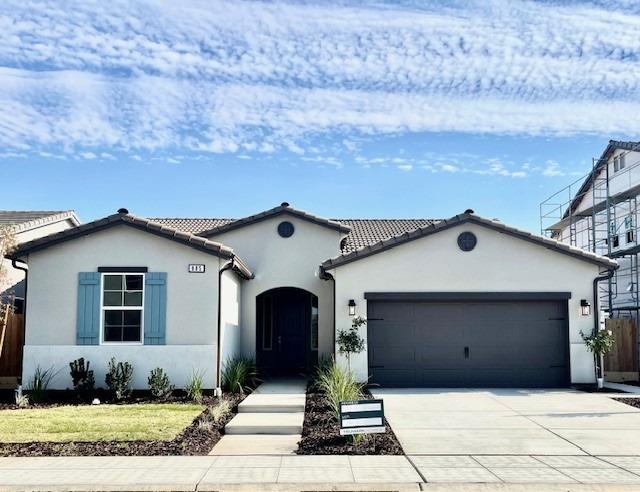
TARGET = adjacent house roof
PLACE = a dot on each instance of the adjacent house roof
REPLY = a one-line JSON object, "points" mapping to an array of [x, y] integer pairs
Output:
{"points": [[284, 208], [23, 220], [124, 218], [601, 162], [443, 225]]}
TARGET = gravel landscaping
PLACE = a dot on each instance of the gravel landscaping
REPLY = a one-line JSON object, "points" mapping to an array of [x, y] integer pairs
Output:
{"points": [[321, 433], [634, 402], [198, 438]]}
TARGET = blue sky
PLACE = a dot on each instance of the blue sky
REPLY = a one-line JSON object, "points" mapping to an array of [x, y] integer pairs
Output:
{"points": [[345, 109]]}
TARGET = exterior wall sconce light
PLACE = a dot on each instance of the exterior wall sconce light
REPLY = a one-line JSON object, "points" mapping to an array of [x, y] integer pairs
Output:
{"points": [[585, 307], [352, 307]]}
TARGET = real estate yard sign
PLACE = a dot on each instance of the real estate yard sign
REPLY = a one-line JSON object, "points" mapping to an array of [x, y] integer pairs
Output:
{"points": [[361, 417]]}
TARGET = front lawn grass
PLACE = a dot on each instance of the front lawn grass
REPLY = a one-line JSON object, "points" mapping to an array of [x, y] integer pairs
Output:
{"points": [[136, 422]]}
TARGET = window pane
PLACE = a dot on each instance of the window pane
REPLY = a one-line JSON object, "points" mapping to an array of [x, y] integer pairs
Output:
{"points": [[132, 317], [133, 298], [113, 318], [113, 282], [113, 298], [112, 333], [131, 333], [134, 282]]}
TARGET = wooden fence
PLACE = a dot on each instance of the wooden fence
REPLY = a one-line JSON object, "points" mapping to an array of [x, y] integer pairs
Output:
{"points": [[621, 364], [11, 355]]}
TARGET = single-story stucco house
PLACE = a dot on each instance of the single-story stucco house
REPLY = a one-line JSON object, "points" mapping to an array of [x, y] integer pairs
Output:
{"points": [[465, 301]]}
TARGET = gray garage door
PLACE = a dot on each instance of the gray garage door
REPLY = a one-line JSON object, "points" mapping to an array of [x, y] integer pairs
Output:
{"points": [[468, 344]]}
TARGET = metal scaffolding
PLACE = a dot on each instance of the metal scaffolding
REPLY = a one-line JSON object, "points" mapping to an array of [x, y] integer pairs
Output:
{"points": [[599, 213]]}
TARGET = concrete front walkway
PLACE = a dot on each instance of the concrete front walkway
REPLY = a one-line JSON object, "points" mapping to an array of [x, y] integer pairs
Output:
{"points": [[269, 420], [209, 473], [511, 422]]}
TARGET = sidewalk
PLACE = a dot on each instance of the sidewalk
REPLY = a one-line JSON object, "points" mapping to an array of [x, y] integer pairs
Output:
{"points": [[209, 473]]}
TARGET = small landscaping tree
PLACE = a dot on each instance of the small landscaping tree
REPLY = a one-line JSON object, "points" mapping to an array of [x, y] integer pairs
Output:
{"points": [[7, 246], [599, 343], [159, 384], [118, 378], [349, 341]]}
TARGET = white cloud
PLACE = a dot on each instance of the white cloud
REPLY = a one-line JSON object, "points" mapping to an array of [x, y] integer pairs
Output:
{"points": [[405, 167], [449, 168], [552, 168], [224, 76]]}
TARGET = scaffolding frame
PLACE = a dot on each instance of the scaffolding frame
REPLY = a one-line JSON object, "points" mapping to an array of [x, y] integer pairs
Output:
{"points": [[597, 227]]}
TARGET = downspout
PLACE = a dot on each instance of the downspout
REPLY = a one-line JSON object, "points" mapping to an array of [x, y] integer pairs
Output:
{"points": [[599, 368], [24, 303], [227, 266]]}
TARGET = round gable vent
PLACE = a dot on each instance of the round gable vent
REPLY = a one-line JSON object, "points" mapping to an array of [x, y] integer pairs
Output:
{"points": [[285, 229], [467, 241]]}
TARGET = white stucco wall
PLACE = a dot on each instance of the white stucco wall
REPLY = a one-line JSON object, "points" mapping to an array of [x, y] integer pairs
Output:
{"points": [[498, 263], [231, 334], [191, 304], [285, 262]]}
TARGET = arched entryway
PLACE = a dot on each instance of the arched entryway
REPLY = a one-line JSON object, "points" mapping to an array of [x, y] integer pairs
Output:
{"points": [[286, 331]]}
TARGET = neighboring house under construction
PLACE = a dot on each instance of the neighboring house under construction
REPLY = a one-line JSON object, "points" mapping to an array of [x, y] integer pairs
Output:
{"points": [[600, 214]]}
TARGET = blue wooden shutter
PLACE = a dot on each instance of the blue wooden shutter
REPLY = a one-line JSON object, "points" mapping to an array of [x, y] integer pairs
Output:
{"points": [[155, 308], [88, 319]]}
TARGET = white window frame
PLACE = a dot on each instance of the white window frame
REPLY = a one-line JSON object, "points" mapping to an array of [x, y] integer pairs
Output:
{"points": [[122, 308]]}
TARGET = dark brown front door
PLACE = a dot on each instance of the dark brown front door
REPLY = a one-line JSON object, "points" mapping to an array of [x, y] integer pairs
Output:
{"points": [[283, 331]]}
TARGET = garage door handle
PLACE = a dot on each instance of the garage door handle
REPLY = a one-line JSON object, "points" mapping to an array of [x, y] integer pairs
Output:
{"points": [[466, 352]]}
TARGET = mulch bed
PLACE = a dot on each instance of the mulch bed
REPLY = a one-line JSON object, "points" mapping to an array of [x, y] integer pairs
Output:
{"points": [[634, 402], [591, 388], [321, 432], [194, 440]]}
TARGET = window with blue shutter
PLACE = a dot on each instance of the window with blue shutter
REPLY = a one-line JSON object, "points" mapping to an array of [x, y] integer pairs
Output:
{"points": [[88, 318], [155, 308]]}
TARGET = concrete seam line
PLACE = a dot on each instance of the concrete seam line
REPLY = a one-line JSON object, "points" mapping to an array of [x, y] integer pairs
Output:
{"points": [[486, 468], [424, 480]]}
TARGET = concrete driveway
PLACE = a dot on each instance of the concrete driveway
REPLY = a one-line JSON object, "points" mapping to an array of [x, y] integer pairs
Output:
{"points": [[510, 422]]}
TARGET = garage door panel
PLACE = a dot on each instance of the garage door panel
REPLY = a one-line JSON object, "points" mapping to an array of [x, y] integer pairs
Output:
{"points": [[516, 343], [443, 378], [394, 377]]}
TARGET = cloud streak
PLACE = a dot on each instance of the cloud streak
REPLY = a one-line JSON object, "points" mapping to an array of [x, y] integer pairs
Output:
{"points": [[259, 77]]}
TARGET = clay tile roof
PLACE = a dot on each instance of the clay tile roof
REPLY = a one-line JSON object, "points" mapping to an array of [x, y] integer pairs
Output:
{"points": [[460, 219], [162, 230], [363, 232]]}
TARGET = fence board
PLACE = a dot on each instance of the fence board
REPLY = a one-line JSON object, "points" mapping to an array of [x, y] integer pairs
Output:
{"points": [[11, 356], [622, 362]]}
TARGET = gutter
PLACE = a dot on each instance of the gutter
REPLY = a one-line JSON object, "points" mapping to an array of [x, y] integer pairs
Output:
{"points": [[599, 364], [24, 301]]}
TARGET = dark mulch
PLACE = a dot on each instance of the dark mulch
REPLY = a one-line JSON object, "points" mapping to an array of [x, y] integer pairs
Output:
{"points": [[194, 440], [634, 402], [321, 433], [591, 388]]}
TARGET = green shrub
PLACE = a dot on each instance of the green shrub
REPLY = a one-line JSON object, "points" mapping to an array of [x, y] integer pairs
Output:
{"points": [[39, 383], [82, 377], [159, 384], [194, 386], [118, 378], [239, 374], [338, 385]]}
